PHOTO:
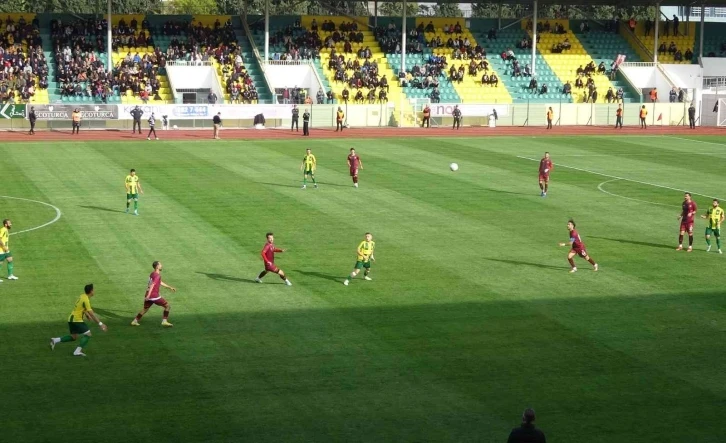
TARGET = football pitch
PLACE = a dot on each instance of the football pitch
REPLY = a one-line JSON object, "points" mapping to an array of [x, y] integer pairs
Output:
{"points": [[471, 315]]}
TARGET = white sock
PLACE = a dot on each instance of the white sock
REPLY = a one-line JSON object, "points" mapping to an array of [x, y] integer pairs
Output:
{"points": [[55, 339]]}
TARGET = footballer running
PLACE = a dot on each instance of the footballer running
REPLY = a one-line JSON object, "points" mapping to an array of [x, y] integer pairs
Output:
{"points": [[133, 189], [76, 324], [365, 257], [577, 247], [268, 257], [152, 297], [545, 167], [354, 164], [308, 166], [5, 254], [715, 216]]}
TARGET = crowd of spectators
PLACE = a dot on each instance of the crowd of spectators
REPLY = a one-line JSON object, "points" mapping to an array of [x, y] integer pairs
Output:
{"points": [[80, 72], [673, 50], [24, 67]]}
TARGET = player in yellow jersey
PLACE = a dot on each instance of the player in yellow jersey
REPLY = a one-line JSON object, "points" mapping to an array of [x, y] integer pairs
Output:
{"points": [[5, 254], [77, 326], [133, 189], [308, 166], [715, 216], [365, 257]]}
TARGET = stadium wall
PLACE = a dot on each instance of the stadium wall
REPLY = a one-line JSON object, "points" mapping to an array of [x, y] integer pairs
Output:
{"points": [[118, 117]]}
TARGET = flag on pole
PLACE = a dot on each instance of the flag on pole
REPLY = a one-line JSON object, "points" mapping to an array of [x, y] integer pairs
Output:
{"points": [[660, 117]]}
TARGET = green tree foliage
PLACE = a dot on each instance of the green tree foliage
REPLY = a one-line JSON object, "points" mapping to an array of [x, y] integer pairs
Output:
{"points": [[447, 10], [491, 10], [193, 7], [396, 9]]}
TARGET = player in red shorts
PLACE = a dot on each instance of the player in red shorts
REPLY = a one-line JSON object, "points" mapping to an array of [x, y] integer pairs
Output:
{"points": [[354, 164], [687, 217], [268, 257], [545, 167], [577, 247], [152, 296]]}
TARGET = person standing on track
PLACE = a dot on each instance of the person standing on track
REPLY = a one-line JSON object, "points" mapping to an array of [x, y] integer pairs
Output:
{"points": [[457, 117], [426, 122], [152, 127], [136, 114], [295, 119], [550, 116], [306, 123], [619, 117], [643, 115], [339, 119], [692, 116], [76, 118], [217, 123], [32, 119]]}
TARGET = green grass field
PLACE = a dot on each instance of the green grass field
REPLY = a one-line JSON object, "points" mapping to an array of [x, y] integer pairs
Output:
{"points": [[471, 316]]}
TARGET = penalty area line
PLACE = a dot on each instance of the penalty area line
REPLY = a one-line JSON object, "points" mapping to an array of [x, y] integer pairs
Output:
{"points": [[655, 185], [58, 213], [600, 188]]}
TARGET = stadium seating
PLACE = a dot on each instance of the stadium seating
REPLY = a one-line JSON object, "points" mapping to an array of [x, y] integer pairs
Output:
{"points": [[682, 41], [395, 93], [565, 64], [714, 40], [518, 86], [41, 94], [605, 47], [470, 90]]}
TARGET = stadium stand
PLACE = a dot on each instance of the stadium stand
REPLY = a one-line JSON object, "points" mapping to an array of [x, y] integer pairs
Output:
{"points": [[568, 59], [714, 40], [426, 74], [359, 65], [512, 39], [604, 47], [671, 49], [456, 42], [24, 77]]}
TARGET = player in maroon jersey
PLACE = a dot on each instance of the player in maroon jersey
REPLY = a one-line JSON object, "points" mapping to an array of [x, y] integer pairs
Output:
{"points": [[152, 296], [687, 217], [354, 164], [577, 247], [268, 257], [545, 167]]}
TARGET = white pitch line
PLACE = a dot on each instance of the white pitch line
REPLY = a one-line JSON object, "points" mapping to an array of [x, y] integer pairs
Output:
{"points": [[697, 141], [621, 178], [600, 188], [57, 213]]}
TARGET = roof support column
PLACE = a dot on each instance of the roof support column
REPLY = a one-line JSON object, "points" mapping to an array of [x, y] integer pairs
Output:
{"points": [[403, 38], [534, 40], [267, 33], [703, 24], [109, 39], [657, 32]]}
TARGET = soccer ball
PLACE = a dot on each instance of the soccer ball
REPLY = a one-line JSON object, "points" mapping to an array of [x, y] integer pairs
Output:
{"points": [[176, 127], [454, 167]]}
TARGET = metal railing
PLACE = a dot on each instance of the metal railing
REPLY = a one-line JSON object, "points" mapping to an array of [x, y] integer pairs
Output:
{"points": [[290, 62], [253, 45], [637, 65], [189, 63], [714, 82]]}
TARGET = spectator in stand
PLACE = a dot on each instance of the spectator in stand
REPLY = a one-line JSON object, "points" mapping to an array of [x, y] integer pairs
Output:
{"points": [[212, 98], [610, 95], [654, 95], [672, 95], [567, 89]]}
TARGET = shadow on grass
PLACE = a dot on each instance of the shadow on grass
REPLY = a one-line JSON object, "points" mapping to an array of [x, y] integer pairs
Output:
{"points": [[113, 314], [499, 191], [222, 277], [524, 263], [315, 274], [280, 185], [637, 243], [101, 208]]}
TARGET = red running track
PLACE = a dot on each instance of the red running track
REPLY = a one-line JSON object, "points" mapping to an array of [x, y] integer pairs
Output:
{"points": [[382, 132]]}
